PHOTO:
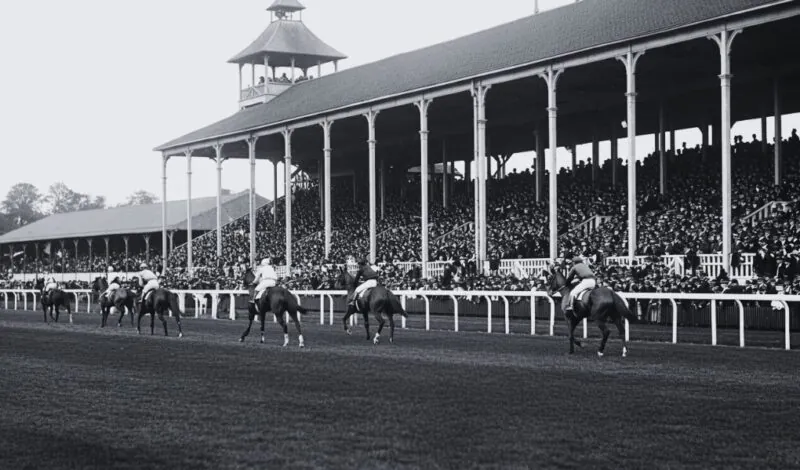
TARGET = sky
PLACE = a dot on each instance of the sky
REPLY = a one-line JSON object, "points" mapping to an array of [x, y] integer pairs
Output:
{"points": [[90, 87]]}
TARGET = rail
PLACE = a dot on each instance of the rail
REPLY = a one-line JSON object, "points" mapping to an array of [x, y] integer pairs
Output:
{"points": [[202, 296], [766, 211]]}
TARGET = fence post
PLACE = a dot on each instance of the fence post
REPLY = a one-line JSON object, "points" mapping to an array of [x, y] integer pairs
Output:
{"points": [[488, 314], [455, 312], [533, 314], [427, 312], [403, 304], [741, 322], [713, 322], [787, 325], [508, 321], [232, 308], [674, 321]]}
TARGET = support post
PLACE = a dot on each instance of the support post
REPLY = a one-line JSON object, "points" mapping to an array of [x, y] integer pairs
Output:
{"points": [[164, 253], [595, 161], [189, 263], [444, 173], [251, 152], [551, 79], [275, 192], [287, 144], [764, 145], [146, 247], [219, 159], [127, 263], [662, 157], [105, 239], [778, 133], [326, 135], [372, 116], [725, 41], [422, 106], [614, 155], [382, 184], [629, 60], [479, 92]]}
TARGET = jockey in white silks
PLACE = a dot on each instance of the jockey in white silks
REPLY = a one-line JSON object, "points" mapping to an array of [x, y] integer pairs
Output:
{"points": [[109, 293], [266, 277], [587, 280], [147, 279], [370, 275]]}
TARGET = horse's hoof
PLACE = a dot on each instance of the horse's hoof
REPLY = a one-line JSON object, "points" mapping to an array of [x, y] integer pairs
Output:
{"points": [[241, 340], [600, 354], [579, 344], [180, 335], [624, 352], [302, 345], [348, 331]]}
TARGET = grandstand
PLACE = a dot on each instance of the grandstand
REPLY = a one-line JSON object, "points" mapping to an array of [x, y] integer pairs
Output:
{"points": [[557, 78], [65, 243]]}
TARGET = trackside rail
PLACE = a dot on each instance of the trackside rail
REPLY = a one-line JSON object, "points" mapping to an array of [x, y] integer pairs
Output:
{"points": [[20, 297]]}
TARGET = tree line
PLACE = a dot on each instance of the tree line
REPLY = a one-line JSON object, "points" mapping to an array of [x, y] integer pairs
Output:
{"points": [[25, 204]]}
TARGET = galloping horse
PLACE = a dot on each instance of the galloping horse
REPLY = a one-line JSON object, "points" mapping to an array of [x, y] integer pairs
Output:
{"points": [[277, 300], [378, 300], [123, 301], [158, 302], [600, 305], [55, 299]]}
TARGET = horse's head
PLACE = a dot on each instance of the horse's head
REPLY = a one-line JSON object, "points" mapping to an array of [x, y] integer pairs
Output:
{"points": [[344, 280], [556, 280], [99, 284], [248, 277], [39, 284]]}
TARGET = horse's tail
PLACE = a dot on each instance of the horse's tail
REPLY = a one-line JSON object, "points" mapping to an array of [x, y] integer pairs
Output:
{"points": [[397, 307], [301, 309], [622, 307], [173, 304]]}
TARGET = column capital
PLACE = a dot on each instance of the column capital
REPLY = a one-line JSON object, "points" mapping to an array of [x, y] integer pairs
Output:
{"points": [[188, 152], [551, 76], [372, 116], [423, 105], [724, 40], [287, 133], [630, 59], [326, 125], [251, 141]]}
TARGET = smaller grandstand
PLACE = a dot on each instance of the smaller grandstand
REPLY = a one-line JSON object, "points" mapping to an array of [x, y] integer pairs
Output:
{"points": [[81, 244]]}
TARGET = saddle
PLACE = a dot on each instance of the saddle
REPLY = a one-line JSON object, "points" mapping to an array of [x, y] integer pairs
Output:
{"points": [[359, 300]]}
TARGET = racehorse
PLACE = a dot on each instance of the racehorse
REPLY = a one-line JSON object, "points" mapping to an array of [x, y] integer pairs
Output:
{"points": [[277, 300], [378, 300], [158, 302], [53, 300], [600, 305], [123, 301]]}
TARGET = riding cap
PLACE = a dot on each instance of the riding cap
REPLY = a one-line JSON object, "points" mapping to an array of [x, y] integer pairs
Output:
{"points": [[110, 269], [577, 259], [143, 266], [265, 262]]}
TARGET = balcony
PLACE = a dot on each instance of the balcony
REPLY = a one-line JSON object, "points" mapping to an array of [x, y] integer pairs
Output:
{"points": [[261, 93]]}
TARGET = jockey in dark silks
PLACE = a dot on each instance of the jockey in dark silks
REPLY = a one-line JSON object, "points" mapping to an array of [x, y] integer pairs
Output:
{"points": [[580, 271], [370, 275]]}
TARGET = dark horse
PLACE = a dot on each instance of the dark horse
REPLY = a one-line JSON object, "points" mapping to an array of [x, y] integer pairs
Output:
{"points": [[277, 300], [53, 300], [122, 301], [158, 302], [379, 300], [601, 305]]}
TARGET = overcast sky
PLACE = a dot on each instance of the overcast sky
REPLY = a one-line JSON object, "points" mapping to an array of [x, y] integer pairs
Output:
{"points": [[90, 87]]}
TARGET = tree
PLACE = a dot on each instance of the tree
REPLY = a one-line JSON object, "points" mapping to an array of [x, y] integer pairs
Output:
{"points": [[22, 204], [62, 199], [141, 197]]}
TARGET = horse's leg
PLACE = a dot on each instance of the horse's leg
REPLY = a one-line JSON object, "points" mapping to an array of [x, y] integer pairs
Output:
{"points": [[58, 314], [366, 324], [604, 329], [139, 323], [293, 314], [121, 315], [153, 321], [177, 315], [621, 328], [263, 318], [163, 321], [251, 311], [131, 308], [391, 327], [44, 310], [69, 311], [284, 326], [381, 322], [573, 322], [350, 311]]}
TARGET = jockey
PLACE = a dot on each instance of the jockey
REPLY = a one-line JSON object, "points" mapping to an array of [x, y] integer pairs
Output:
{"points": [[109, 293], [266, 277], [581, 271], [50, 284], [370, 275], [147, 279]]}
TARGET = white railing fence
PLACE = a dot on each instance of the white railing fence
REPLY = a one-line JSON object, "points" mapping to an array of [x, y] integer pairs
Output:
{"points": [[201, 300]]}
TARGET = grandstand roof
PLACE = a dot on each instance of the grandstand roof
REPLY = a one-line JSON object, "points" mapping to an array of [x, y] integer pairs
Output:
{"points": [[286, 5], [284, 40], [131, 220], [567, 30]]}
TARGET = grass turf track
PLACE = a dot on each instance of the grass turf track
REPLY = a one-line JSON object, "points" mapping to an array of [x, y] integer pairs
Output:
{"points": [[75, 396]]}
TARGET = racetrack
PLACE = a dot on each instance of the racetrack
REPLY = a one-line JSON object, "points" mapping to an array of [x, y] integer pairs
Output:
{"points": [[75, 396]]}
